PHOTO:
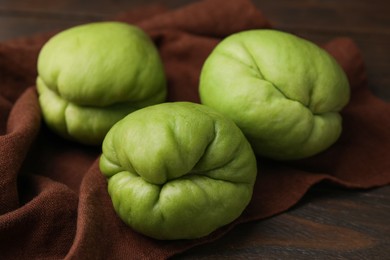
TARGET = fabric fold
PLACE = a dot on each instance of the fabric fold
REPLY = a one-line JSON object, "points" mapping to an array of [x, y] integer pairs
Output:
{"points": [[21, 129]]}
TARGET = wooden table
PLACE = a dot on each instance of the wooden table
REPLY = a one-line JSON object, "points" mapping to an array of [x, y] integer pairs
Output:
{"points": [[328, 223]]}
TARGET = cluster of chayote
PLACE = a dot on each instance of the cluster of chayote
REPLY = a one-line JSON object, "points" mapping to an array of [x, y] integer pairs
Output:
{"points": [[180, 170]]}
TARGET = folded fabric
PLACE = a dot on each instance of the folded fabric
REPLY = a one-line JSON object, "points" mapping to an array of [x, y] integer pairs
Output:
{"points": [[54, 201]]}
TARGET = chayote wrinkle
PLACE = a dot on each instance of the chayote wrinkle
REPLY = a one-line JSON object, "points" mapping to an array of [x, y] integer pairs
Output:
{"points": [[157, 205], [313, 80], [108, 166], [290, 99], [184, 155], [159, 94], [206, 147], [55, 75], [197, 184], [206, 172], [196, 187], [136, 97], [44, 93], [119, 155], [215, 174], [67, 116], [169, 169], [122, 158], [66, 120], [109, 151], [255, 67], [322, 102], [254, 62], [125, 190], [228, 161], [208, 175], [173, 131], [65, 128], [116, 193], [111, 147], [123, 184], [257, 64], [186, 188], [187, 206], [179, 147], [258, 74]]}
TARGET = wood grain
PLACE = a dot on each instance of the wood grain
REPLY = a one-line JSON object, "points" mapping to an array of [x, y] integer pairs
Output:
{"points": [[329, 223]]}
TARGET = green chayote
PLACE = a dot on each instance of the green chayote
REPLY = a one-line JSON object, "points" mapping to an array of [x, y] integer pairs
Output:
{"points": [[92, 75], [284, 92], [178, 170]]}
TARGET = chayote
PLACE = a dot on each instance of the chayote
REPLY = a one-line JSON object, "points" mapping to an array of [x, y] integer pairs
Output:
{"points": [[92, 75], [284, 92], [178, 170]]}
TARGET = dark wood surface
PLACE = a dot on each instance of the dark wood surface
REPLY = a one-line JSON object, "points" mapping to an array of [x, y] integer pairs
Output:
{"points": [[329, 223]]}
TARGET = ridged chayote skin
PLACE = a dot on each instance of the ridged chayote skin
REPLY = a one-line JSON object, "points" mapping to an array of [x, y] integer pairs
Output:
{"points": [[92, 75], [284, 92], [178, 170]]}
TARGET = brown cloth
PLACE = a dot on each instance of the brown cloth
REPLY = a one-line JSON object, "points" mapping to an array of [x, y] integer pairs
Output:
{"points": [[53, 198]]}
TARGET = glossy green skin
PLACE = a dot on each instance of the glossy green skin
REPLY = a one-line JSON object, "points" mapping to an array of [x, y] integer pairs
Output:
{"points": [[284, 92], [92, 75], [178, 170]]}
